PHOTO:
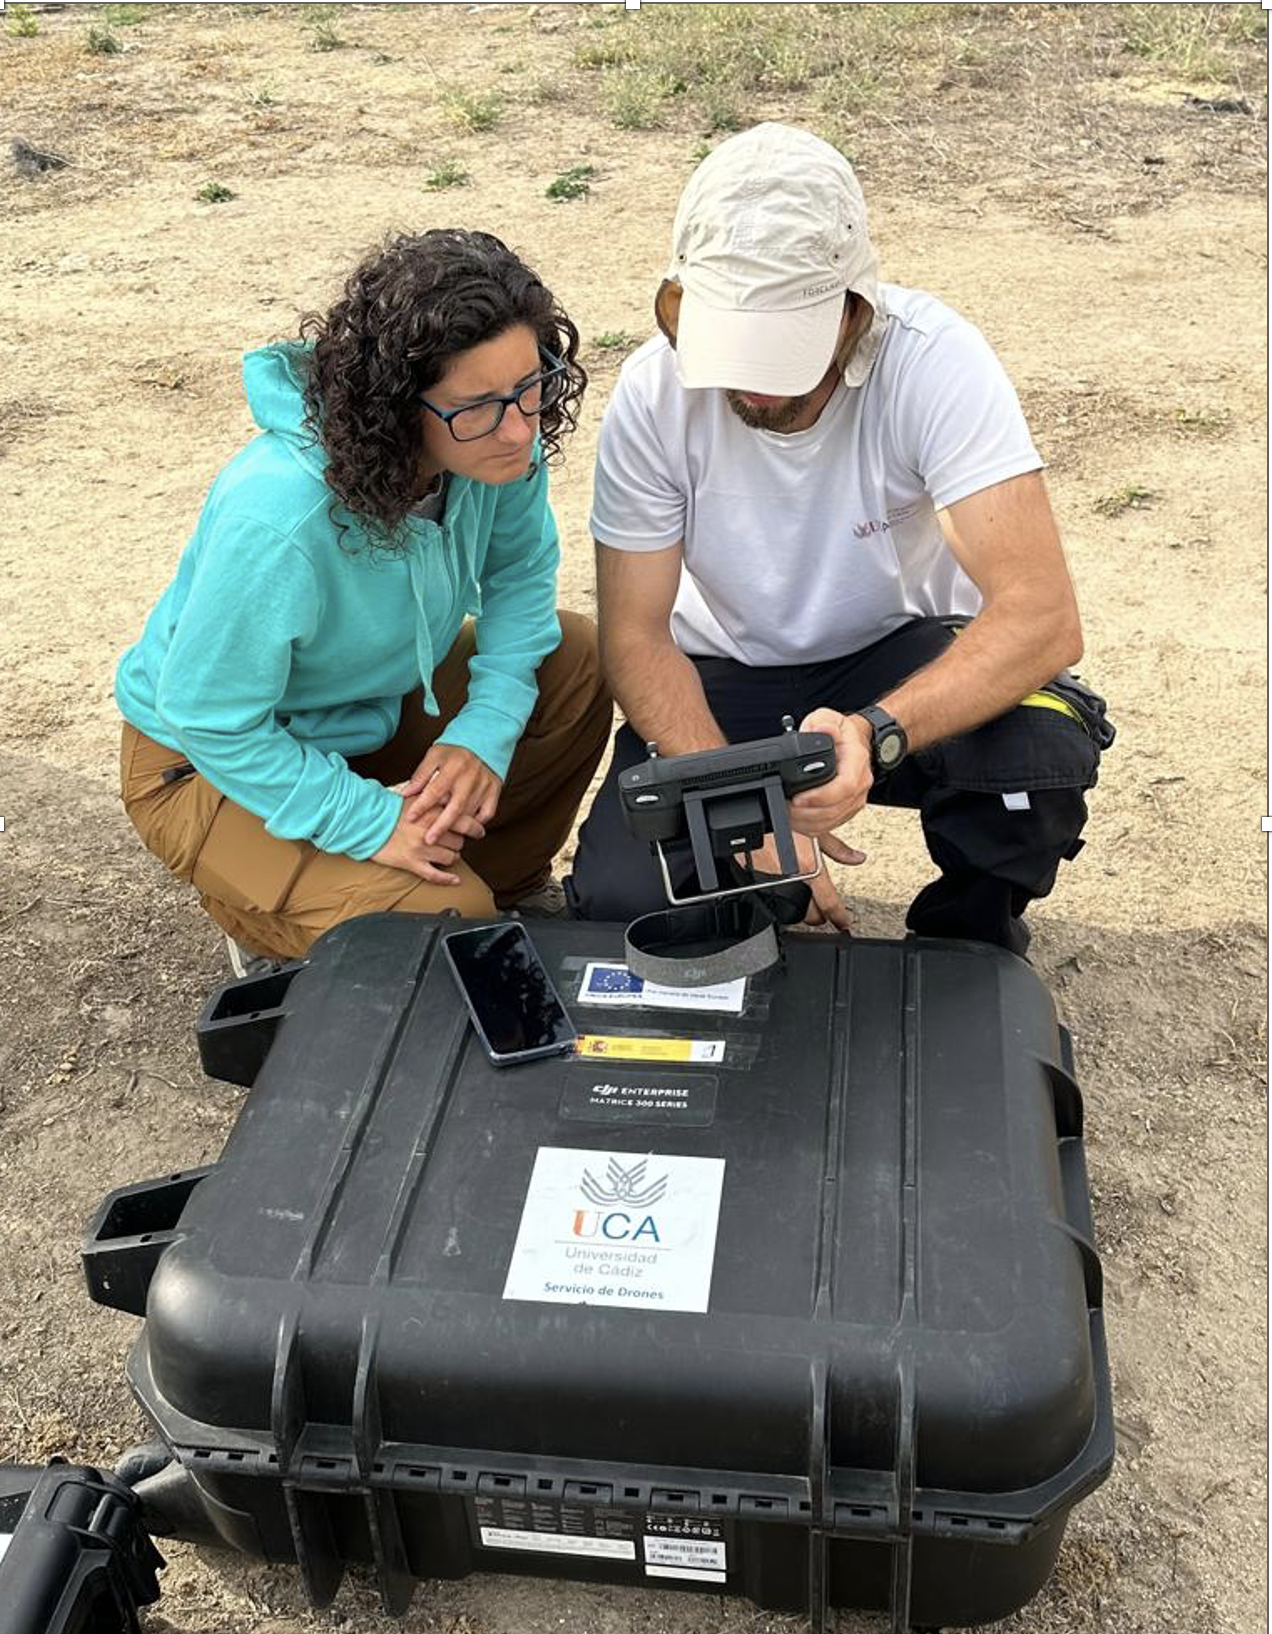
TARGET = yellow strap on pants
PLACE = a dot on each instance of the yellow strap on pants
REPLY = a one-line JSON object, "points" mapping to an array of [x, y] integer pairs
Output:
{"points": [[1044, 700]]}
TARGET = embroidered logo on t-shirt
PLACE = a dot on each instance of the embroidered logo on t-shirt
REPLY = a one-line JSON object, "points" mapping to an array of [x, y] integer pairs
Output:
{"points": [[896, 513]]}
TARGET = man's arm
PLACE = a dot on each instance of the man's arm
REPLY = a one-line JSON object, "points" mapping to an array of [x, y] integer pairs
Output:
{"points": [[658, 689], [1006, 541], [655, 685]]}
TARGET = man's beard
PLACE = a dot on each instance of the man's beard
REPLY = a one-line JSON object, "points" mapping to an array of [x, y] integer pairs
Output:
{"points": [[775, 416]]}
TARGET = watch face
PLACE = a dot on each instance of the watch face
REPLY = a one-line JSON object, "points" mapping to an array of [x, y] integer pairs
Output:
{"points": [[890, 749]]}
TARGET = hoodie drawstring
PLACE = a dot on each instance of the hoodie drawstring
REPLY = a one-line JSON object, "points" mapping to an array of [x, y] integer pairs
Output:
{"points": [[423, 640]]}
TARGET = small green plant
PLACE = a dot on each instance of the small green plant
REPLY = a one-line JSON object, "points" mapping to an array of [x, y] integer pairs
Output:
{"points": [[969, 55], [854, 93], [322, 37], [614, 52], [261, 97], [547, 89], [636, 99], [23, 23], [102, 43], [214, 193], [1200, 420], [1130, 498], [787, 64], [1183, 38], [125, 16], [700, 152], [574, 183], [721, 109], [1246, 25], [472, 111], [614, 340], [450, 173]]}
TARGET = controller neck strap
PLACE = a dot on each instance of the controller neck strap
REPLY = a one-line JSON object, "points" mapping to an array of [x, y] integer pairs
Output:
{"points": [[719, 939]]}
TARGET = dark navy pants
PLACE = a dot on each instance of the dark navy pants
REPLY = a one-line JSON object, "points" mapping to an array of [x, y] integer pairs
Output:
{"points": [[993, 859]]}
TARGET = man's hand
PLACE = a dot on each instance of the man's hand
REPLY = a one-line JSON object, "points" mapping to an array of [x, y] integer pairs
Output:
{"points": [[827, 906], [407, 848], [451, 792], [818, 810]]}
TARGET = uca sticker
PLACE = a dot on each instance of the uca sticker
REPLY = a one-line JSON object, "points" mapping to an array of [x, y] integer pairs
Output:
{"points": [[618, 1228]]}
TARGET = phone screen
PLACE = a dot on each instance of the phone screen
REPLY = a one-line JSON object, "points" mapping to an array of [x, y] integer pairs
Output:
{"points": [[508, 991]]}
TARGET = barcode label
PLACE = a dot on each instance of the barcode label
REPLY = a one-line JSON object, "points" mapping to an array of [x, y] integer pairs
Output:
{"points": [[701, 1559]]}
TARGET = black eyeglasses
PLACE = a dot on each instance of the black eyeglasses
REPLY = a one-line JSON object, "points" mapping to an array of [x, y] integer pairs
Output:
{"points": [[480, 419]]}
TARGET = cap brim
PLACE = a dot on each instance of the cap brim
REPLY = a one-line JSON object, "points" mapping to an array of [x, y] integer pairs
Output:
{"points": [[780, 354]]}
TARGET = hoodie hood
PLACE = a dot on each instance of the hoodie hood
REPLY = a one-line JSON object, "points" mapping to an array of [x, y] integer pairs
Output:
{"points": [[274, 381]]}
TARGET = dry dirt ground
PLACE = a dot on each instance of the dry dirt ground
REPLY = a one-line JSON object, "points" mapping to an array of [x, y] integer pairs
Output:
{"points": [[1088, 184]]}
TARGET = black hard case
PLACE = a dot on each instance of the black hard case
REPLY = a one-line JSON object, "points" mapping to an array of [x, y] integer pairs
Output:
{"points": [[900, 1388]]}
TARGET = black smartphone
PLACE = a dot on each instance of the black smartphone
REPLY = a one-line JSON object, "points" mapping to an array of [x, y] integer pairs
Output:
{"points": [[515, 1008]]}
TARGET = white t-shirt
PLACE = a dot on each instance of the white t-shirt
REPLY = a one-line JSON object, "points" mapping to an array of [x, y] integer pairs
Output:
{"points": [[810, 546]]}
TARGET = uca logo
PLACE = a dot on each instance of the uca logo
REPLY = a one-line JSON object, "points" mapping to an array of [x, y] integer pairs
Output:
{"points": [[626, 1190], [625, 1186]]}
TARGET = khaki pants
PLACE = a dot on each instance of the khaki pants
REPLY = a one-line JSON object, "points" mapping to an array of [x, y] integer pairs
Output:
{"points": [[278, 896]]}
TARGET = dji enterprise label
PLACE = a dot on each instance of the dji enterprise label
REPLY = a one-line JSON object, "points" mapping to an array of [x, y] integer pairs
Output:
{"points": [[651, 1097]]}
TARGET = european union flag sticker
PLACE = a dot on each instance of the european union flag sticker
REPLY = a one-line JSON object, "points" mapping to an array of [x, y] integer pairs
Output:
{"points": [[604, 981], [614, 984]]}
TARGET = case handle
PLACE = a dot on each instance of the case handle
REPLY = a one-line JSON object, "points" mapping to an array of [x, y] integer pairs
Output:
{"points": [[238, 1024], [128, 1235]]}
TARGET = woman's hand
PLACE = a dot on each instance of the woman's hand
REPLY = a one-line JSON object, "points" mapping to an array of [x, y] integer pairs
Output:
{"points": [[451, 793], [408, 848]]}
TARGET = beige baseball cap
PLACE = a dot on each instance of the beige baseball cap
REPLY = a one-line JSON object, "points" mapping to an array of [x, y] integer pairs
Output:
{"points": [[769, 234]]}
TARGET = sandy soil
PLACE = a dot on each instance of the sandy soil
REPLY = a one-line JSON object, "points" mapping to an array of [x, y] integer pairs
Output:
{"points": [[1111, 241]]}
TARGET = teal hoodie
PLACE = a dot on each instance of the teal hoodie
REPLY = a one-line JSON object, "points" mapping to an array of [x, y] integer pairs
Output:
{"points": [[279, 650]]}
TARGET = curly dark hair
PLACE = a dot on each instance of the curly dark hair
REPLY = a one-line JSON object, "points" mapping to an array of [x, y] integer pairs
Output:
{"points": [[407, 309]]}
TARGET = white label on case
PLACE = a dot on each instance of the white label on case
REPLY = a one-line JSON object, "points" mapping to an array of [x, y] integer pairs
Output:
{"points": [[557, 1543], [618, 1228], [614, 984], [702, 1559]]}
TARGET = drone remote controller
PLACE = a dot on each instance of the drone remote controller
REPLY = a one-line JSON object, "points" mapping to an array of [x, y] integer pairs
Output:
{"points": [[726, 801]]}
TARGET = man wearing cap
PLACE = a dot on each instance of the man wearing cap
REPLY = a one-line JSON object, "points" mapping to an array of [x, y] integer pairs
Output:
{"points": [[816, 495]]}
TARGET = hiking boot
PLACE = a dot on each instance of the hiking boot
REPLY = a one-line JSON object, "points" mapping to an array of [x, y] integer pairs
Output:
{"points": [[243, 962], [546, 901]]}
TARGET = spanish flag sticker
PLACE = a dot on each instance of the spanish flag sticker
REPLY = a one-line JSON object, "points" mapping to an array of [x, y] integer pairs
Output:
{"points": [[617, 1047]]}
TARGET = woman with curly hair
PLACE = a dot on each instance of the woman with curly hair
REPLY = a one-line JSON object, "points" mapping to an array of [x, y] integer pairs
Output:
{"points": [[314, 726]]}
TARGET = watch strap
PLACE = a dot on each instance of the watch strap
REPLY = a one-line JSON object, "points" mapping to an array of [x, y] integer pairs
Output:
{"points": [[882, 724]]}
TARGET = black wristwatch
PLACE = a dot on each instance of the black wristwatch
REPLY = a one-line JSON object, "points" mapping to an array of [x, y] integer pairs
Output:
{"points": [[888, 742]]}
